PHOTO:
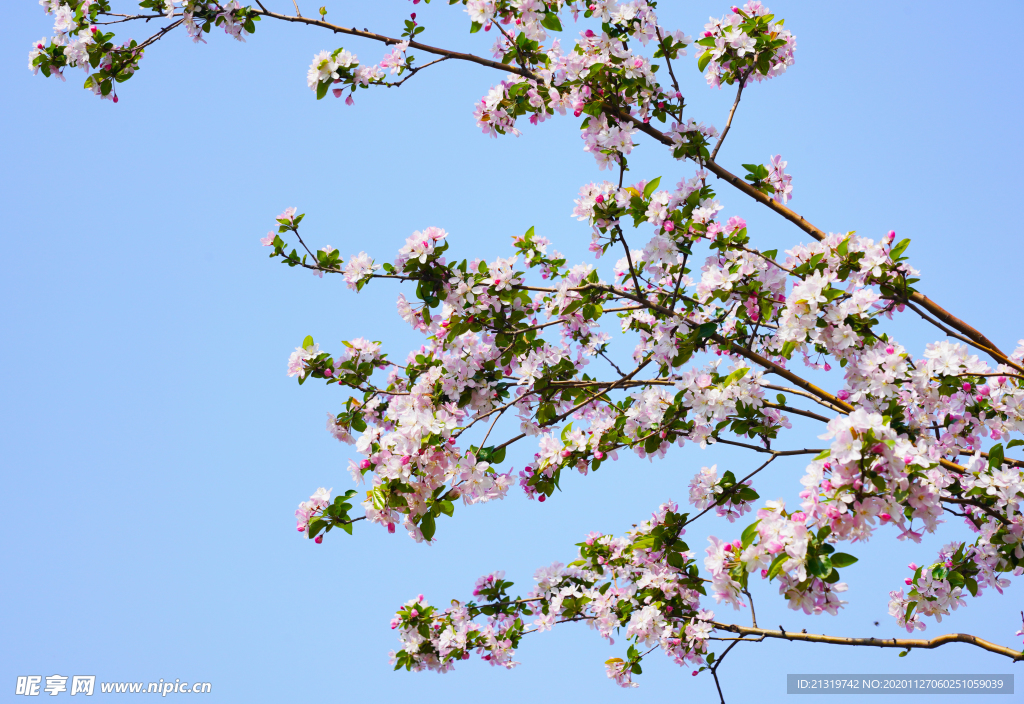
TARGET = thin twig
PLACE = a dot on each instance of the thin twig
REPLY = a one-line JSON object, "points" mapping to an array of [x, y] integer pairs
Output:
{"points": [[728, 123]]}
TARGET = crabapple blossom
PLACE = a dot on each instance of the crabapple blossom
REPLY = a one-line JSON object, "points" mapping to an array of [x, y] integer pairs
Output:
{"points": [[679, 330]]}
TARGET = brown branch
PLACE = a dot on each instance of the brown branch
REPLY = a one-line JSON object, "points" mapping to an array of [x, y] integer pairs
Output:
{"points": [[798, 411], [798, 392], [337, 29], [818, 234], [1008, 460], [728, 122], [155, 38], [908, 643]]}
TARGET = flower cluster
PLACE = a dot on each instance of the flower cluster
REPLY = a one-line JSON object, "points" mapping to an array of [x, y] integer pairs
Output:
{"points": [[78, 42], [341, 67], [747, 45], [729, 498], [645, 584]]}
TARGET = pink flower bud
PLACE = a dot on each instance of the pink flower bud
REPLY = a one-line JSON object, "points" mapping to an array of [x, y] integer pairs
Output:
{"points": [[885, 517], [984, 390], [413, 15], [728, 547], [391, 527], [799, 517], [406, 460], [337, 92], [669, 226], [414, 613], [891, 236], [912, 566], [302, 529], [878, 448], [890, 350], [908, 581], [764, 574], [843, 394], [589, 33], [828, 367], [318, 539], [598, 455], [465, 656], [328, 372], [694, 673], [599, 199], [542, 498], [566, 453], [349, 101]]}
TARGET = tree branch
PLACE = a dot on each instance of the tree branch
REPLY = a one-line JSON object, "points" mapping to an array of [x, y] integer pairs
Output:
{"points": [[728, 122], [337, 29], [902, 643]]}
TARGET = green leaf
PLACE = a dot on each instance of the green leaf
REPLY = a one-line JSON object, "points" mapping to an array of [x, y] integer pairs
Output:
{"points": [[899, 249], [910, 610], [1014, 443], [748, 533], [776, 566], [427, 526], [651, 187], [735, 376], [747, 494], [972, 585], [475, 27], [551, 22], [644, 543], [308, 341], [316, 526], [842, 559], [704, 60], [498, 456], [995, 456], [819, 566], [955, 579], [321, 89]]}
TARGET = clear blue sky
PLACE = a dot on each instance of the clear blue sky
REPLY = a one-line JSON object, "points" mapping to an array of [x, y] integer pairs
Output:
{"points": [[153, 449]]}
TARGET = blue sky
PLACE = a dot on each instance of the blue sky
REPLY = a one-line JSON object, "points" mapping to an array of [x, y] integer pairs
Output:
{"points": [[153, 449]]}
